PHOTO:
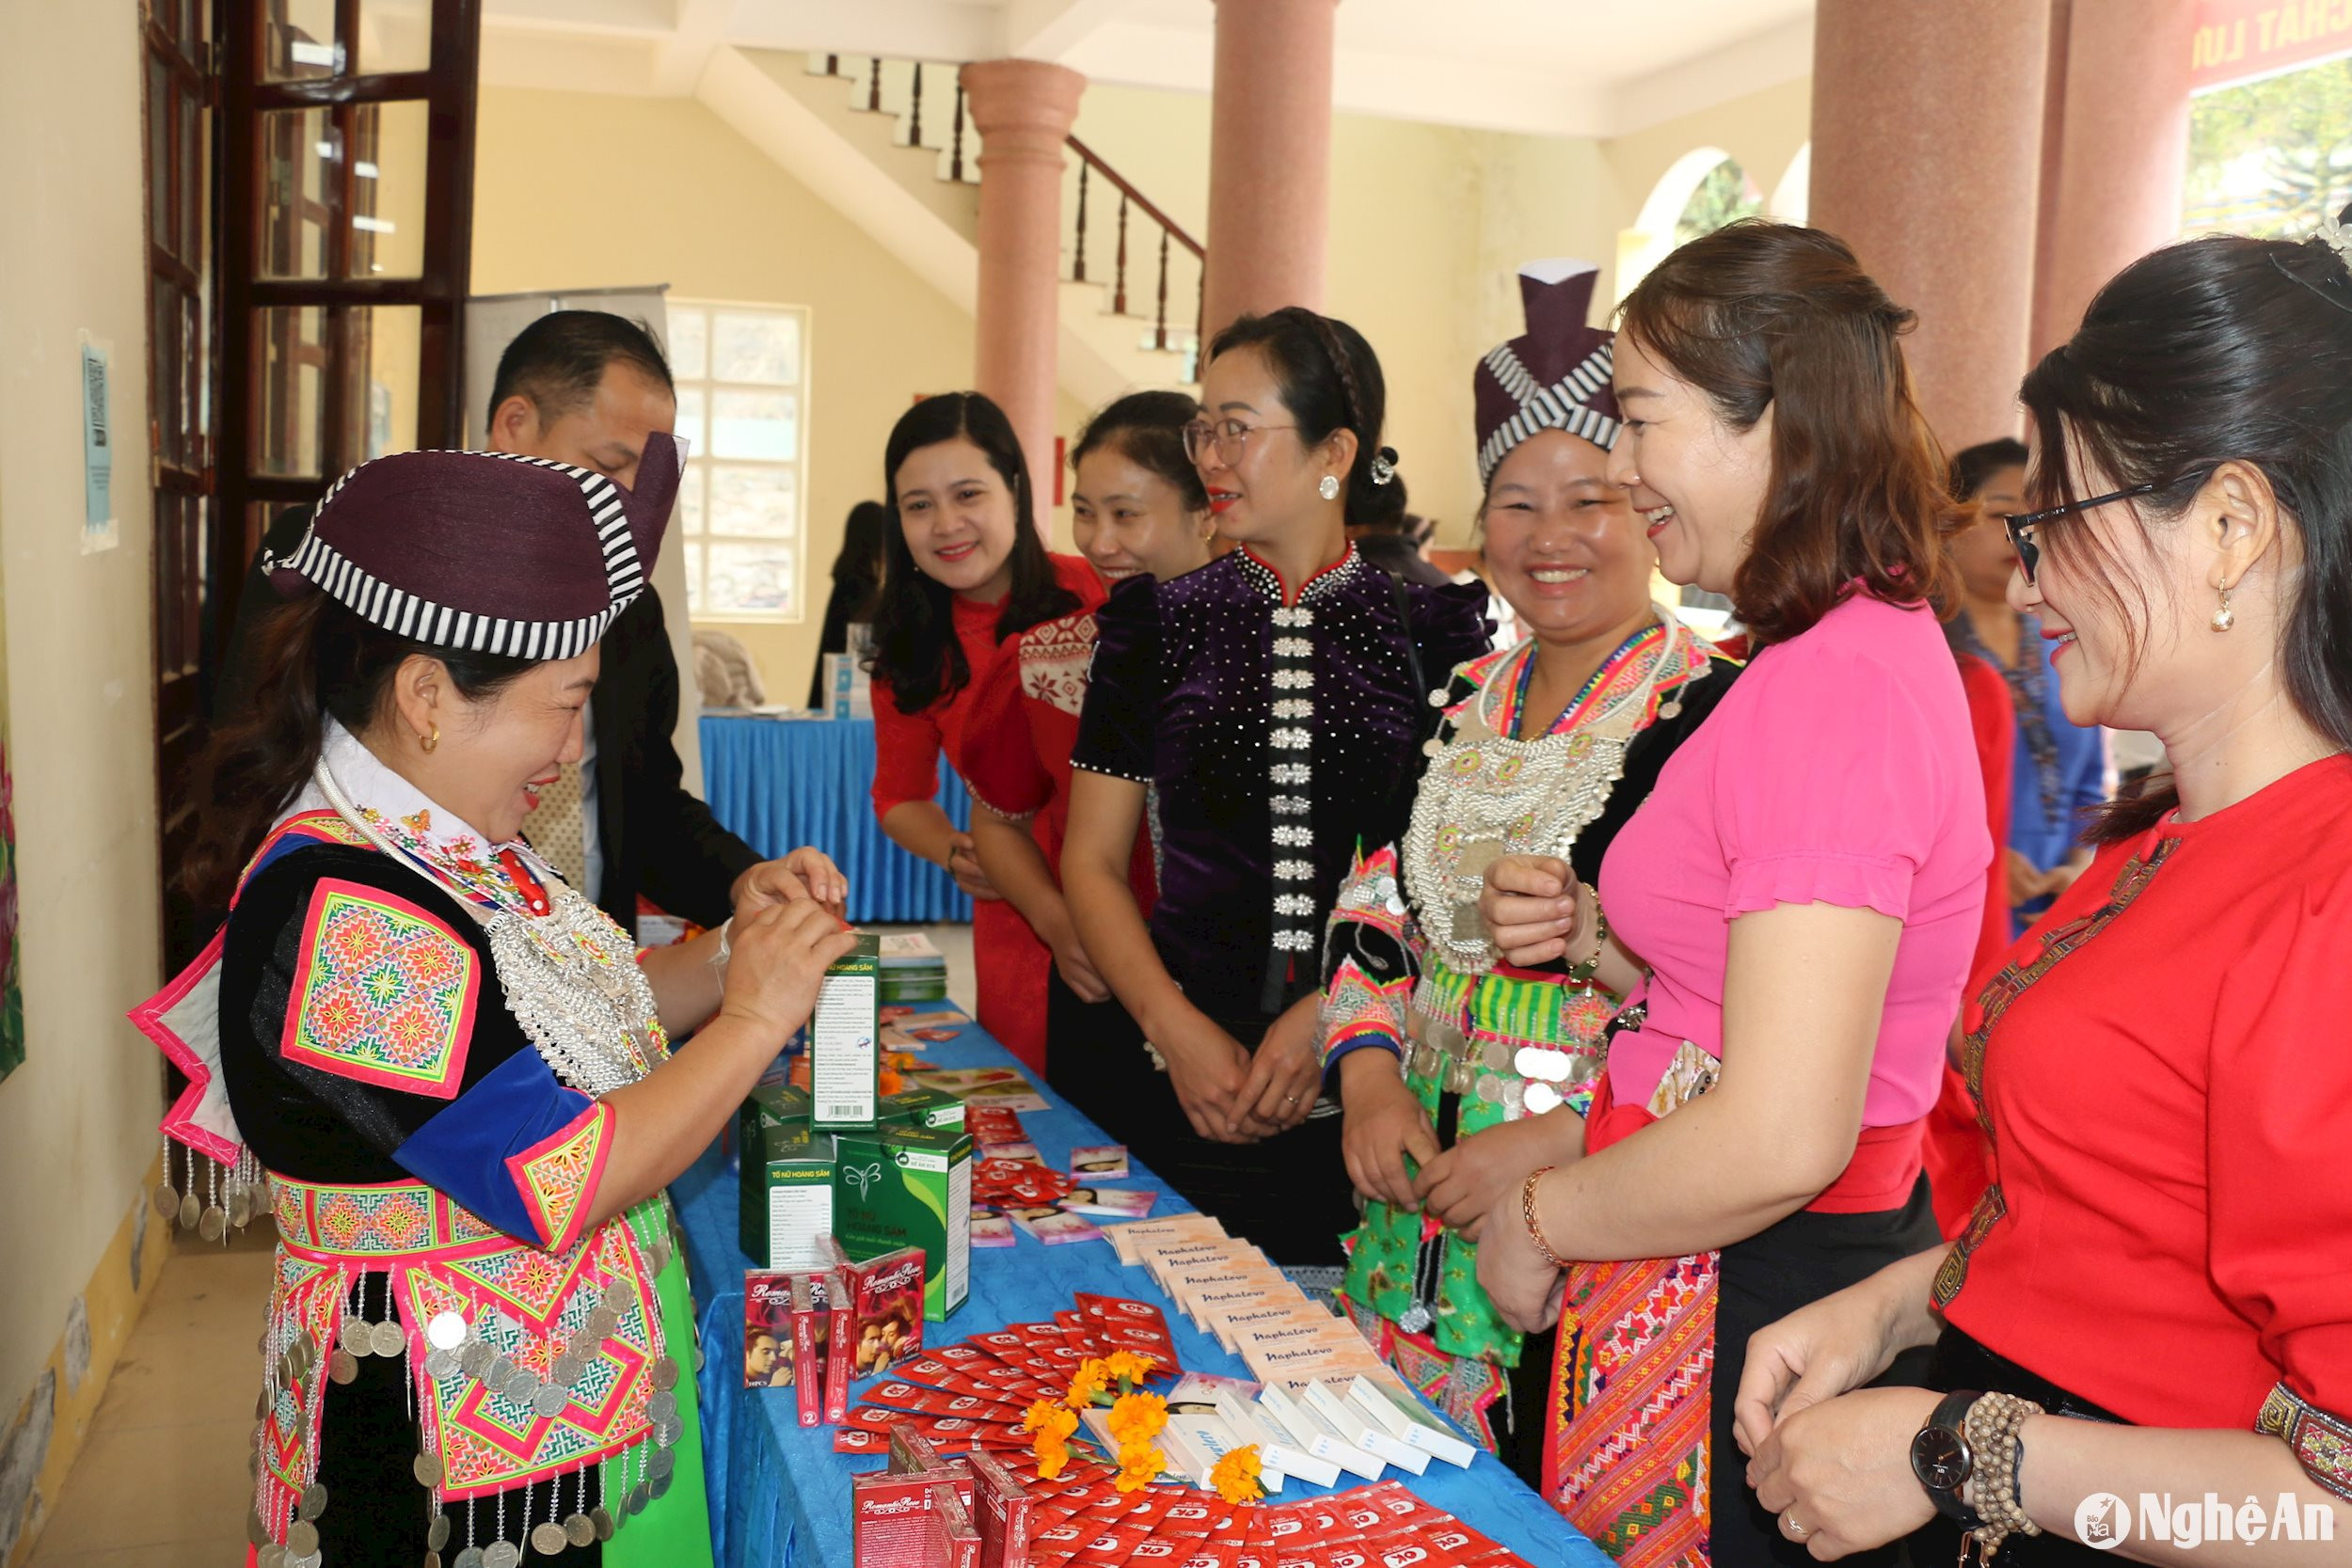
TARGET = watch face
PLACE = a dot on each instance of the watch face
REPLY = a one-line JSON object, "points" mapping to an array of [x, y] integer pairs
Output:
{"points": [[1939, 1458]]}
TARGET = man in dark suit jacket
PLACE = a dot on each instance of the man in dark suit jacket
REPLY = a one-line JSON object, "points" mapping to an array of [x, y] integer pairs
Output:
{"points": [[591, 388]]}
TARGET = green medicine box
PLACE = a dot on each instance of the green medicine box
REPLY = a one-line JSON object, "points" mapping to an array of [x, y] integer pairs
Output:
{"points": [[786, 1181], [845, 1040], [920, 1107], [903, 1185]]}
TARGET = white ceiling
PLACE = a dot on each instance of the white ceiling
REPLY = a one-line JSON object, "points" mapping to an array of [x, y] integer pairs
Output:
{"points": [[1590, 68]]}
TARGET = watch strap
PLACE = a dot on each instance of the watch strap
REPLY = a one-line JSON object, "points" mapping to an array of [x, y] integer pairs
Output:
{"points": [[1950, 1416]]}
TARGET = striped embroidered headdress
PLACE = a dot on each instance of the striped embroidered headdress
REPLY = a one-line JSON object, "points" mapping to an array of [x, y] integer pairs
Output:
{"points": [[485, 550], [1553, 377]]}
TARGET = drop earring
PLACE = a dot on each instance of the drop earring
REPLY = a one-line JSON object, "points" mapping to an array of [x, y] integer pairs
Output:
{"points": [[430, 741], [2222, 619], [1329, 488]]}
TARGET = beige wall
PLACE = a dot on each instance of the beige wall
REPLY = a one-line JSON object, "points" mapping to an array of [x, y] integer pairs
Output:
{"points": [[687, 202], [77, 1120]]}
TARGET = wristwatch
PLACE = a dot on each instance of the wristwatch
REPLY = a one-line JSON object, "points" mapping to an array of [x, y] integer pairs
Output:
{"points": [[1942, 1459]]}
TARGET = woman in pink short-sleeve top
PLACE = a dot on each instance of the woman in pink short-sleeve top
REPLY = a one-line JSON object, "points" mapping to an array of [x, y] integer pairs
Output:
{"points": [[1790, 913]]}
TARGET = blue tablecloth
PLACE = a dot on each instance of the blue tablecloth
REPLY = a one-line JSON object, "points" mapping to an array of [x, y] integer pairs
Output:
{"points": [[778, 784], [780, 1495]]}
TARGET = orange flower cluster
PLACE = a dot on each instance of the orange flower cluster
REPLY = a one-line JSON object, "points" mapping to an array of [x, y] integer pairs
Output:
{"points": [[891, 1083], [1236, 1477], [1136, 1420], [1052, 1425]]}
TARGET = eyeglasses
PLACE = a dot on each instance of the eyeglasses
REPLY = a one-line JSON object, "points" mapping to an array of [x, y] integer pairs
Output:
{"points": [[2020, 526], [1229, 437]]}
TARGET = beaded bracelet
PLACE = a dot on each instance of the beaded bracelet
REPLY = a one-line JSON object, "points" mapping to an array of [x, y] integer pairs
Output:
{"points": [[1992, 1426], [1535, 1226]]}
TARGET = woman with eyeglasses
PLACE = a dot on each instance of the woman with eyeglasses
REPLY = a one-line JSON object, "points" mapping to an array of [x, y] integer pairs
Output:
{"points": [[1790, 914], [963, 569], [1270, 709], [2061, 769], [2151, 1297]]}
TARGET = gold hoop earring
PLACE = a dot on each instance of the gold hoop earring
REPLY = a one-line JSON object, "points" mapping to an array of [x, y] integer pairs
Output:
{"points": [[2222, 619], [430, 741]]}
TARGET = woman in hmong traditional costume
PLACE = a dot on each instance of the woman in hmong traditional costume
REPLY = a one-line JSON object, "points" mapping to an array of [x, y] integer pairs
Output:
{"points": [[1453, 1066], [454, 1067]]}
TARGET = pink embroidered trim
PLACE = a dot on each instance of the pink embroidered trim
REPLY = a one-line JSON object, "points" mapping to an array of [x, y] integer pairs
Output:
{"points": [[557, 1175], [385, 992]]}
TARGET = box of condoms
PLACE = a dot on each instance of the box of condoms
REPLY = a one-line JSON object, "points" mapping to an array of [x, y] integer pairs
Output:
{"points": [[893, 1520], [1001, 1509], [901, 1186], [959, 1545], [1129, 1240], [786, 1179], [845, 1040], [811, 1333], [885, 1296]]}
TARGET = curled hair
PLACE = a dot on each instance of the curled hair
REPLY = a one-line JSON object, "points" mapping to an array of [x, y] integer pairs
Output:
{"points": [[916, 649], [1148, 430], [1760, 315], [312, 660], [2215, 350], [1329, 380]]}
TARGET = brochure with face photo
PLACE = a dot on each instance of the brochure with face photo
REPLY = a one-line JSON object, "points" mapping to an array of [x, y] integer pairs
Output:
{"points": [[1099, 1163], [1051, 1225]]}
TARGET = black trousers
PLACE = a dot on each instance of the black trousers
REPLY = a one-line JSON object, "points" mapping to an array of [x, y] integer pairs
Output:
{"points": [[1792, 1264], [1289, 1195]]}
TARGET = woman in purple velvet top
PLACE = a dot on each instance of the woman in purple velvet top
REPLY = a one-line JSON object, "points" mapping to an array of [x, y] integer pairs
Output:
{"points": [[1269, 710]]}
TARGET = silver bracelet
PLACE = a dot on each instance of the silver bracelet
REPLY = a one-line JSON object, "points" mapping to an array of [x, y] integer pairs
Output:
{"points": [[719, 960]]}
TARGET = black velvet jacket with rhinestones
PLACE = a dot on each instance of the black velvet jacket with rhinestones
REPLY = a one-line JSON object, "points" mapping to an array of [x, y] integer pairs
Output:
{"points": [[1279, 730]]}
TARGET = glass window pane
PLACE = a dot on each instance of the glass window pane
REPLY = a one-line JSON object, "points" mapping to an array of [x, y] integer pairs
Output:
{"points": [[301, 172], [764, 347], [693, 579], [159, 152], [749, 500], [194, 154], [163, 373], [690, 498], [298, 40], [690, 419], [290, 351], [749, 579], [381, 345], [191, 369], [690, 338], [394, 34], [387, 168], [756, 424]]}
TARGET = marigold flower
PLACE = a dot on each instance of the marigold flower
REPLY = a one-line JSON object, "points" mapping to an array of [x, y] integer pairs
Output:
{"points": [[1091, 1378], [1052, 1454], [1139, 1464], [1137, 1418], [1236, 1477], [1129, 1368], [1045, 1416], [890, 1082]]}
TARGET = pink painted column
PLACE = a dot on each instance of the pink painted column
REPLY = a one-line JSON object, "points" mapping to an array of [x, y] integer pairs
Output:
{"points": [[1022, 110], [1270, 157], [2117, 150], [1931, 175]]}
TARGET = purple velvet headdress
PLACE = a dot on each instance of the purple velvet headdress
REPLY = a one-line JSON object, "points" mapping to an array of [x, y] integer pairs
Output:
{"points": [[485, 550], [1553, 377]]}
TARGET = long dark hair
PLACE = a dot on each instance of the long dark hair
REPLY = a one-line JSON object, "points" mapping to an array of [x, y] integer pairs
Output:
{"points": [[2214, 350], [314, 660], [916, 649], [1329, 380], [1765, 315], [1148, 429], [857, 570]]}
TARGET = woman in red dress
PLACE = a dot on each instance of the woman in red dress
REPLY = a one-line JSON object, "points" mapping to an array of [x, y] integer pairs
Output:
{"points": [[965, 569], [2150, 1298], [1136, 510]]}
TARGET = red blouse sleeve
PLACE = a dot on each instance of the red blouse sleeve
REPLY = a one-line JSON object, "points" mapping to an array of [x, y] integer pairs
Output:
{"points": [[1992, 718], [2279, 1116], [1000, 763], [906, 753]]}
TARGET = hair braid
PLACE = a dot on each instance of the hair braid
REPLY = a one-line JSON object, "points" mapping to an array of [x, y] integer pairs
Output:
{"points": [[1344, 365]]}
